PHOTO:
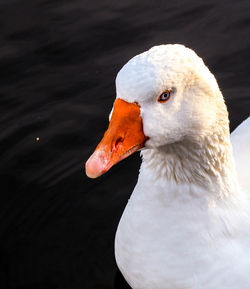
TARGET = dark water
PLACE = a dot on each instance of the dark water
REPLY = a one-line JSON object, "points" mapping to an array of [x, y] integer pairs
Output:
{"points": [[58, 61]]}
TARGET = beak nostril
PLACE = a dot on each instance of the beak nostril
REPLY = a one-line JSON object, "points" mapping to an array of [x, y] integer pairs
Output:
{"points": [[118, 141]]}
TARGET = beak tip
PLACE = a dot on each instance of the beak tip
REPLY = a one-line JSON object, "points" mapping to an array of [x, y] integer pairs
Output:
{"points": [[89, 174], [94, 167]]}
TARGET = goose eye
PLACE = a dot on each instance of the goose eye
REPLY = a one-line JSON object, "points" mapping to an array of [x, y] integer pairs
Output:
{"points": [[164, 96]]}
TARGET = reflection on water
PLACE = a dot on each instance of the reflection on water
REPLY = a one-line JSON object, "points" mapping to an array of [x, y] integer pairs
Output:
{"points": [[58, 62]]}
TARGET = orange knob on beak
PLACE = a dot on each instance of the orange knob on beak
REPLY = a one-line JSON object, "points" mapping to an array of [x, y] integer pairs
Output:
{"points": [[123, 137]]}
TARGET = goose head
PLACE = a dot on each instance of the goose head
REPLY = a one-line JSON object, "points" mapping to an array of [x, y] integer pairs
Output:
{"points": [[163, 96]]}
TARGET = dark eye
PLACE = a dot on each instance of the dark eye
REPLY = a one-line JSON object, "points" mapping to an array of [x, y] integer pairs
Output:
{"points": [[164, 96]]}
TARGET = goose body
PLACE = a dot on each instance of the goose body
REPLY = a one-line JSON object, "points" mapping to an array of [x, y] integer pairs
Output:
{"points": [[184, 236], [187, 222]]}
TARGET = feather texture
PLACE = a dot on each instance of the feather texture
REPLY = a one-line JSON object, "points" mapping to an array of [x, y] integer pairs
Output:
{"points": [[187, 223]]}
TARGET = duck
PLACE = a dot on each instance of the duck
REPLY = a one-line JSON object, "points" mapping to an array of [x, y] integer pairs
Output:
{"points": [[187, 222]]}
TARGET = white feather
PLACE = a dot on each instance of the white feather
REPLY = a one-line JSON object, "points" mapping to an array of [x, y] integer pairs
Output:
{"points": [[187, 223], [240, 138]]}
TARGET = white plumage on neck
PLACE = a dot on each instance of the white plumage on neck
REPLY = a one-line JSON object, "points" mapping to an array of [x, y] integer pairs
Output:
{"points": [[182, 234]]}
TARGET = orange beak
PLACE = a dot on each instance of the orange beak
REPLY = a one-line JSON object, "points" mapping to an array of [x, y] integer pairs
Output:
{"points": [[123, 137]]}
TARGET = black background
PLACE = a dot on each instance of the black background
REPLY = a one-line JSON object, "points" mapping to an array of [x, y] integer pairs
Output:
{"points": [[58, 62]]}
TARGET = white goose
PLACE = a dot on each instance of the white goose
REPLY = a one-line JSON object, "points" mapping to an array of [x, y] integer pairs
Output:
{"points": [[187, 223]]}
